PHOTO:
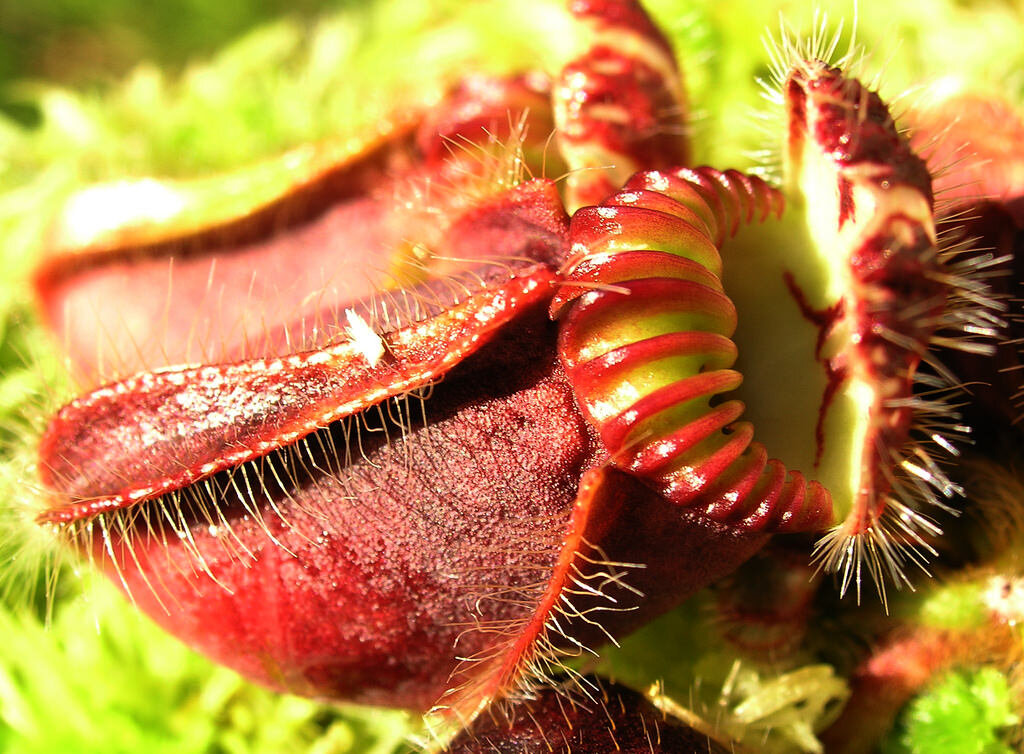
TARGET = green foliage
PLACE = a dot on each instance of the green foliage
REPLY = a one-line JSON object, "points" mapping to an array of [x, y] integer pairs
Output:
{"points": [[101, 678], [78, 41], [962, 714]]}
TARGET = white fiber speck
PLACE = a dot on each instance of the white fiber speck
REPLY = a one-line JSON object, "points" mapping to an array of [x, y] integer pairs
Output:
{"points": [[366, 341]]}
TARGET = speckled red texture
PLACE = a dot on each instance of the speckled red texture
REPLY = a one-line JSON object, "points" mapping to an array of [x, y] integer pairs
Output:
{"points": [[158, 432], [383, 565], [363, 561], [615, 721], [391, 569]]}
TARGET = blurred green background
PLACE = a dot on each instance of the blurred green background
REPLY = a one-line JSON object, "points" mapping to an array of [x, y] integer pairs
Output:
{"points": [[85, 43]]}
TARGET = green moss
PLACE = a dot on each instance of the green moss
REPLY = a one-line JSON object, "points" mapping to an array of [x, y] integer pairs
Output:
{"points": [[101, 678], [964, 713]]}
